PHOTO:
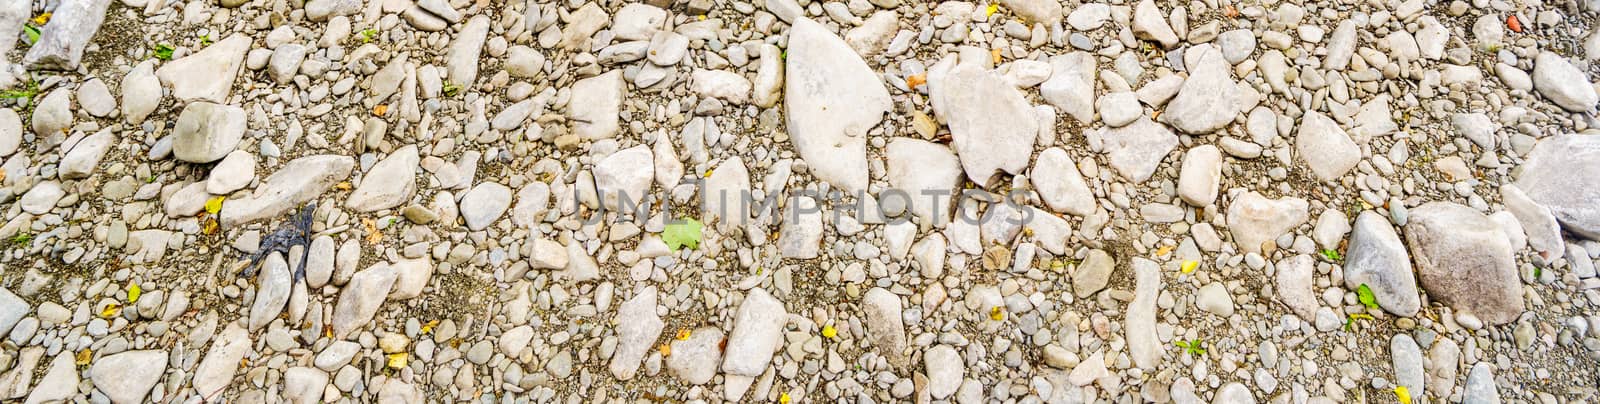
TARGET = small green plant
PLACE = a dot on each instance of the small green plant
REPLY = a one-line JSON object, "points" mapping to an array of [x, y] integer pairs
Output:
{"points": [[21, 239], [1364, 294], [685, 232], [451, 89], [1350, 320], [1538, 272], [205, 40], [368, 35], [1332, 255], [163, 51], [1194, 347], [24, 95]]}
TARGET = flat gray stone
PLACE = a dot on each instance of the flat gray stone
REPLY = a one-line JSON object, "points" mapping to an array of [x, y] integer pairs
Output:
{"points": [[1377, 258]]}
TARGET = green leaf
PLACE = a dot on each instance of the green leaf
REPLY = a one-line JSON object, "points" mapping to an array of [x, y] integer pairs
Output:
{"points": [[1194, 347], [367, 35], [33, 34], [1332, 255], [163, 51], [685, 232], [1364, 294]]}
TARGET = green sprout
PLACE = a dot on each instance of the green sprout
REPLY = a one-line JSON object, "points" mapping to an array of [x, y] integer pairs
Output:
{"points": [[163, 51], [23, 95], [1332, 255], [205, 40], [1364, 294], [33, 33], [21, 239], [1194, 347], [450, 89], [369, 34]]}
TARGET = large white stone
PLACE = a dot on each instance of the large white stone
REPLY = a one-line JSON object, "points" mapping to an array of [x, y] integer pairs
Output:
{"points": [[992, 125], [208, 74], [832, 100]]}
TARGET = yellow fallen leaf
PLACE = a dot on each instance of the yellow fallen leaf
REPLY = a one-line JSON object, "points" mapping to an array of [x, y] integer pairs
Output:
{"points": [[343, 186], [666, 349], [373, 235], [398, 360], [428, 328], [84, 356], [111, 310], [1190, 265], [997, 313], [916, 80], [784, 398], [42, 19], [1164, 250], [214, 204], [380, 109], [993, 8], [1403, 394], [683, 334], [995, 54], [829, 332], [133, 293]]}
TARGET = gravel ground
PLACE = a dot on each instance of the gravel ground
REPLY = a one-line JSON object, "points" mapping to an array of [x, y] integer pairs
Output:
{"points": [[799, 200]]}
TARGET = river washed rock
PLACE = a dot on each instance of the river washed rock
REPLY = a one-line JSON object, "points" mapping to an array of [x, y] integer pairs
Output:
{"points": [[1055, 176], [207, 75], [1377, 259], [637, 329], [1565, 85], [1562, 174], [1209, 98], [1071, 85], [991, 124], [832, 100], [447, 175], [925, 174], [61, 44], [1140, 333], [1325, 147], [206, 132], [298, 182], [757, 331], [1254, 220], [1464, 261], [127, 377]]}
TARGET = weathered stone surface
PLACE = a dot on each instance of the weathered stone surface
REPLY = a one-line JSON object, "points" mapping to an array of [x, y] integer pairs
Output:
{"points": [[1253, 219], [207, 75], [926, 175], [297, 183], [390, 183], [1562, 173], [1464, 261], [991, 125], [1378, 259], [62, 41], [1136, 150], [205, 132], [1325, 147], [1209, 99], [595, 103], [832, 100]]}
